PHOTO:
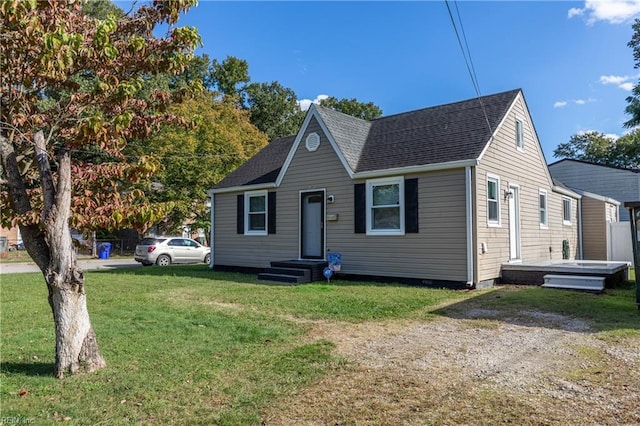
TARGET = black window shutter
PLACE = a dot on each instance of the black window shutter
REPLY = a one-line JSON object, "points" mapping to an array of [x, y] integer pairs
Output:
{"points": [[240, 215], [411, 206], [271, 206], [359, 208]]}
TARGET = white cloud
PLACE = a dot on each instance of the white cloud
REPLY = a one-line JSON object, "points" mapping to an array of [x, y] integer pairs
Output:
{"points": [[612, 11], [623, 82], [561, 104], [611, 136], [574, 11], [305, 104], [613, 79]]}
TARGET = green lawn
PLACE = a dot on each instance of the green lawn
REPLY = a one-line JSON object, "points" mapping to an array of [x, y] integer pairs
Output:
{"points": [[185, 345]]}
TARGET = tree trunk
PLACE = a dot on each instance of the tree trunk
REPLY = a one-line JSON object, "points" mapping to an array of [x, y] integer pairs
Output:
{"points": [[76, 344], [50, 246]]}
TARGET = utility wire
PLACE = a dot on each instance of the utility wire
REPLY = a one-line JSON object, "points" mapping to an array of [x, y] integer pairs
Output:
{"points": [[466, 54]]}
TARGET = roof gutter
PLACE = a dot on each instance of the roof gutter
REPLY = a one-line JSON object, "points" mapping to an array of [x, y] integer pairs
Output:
{"points": [[564, 191], [241, 188], [416, 169], [362, 175], [597, 197]]}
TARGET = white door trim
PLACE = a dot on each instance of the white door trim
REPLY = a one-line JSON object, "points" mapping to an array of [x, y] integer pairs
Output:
{"points": [[515, 225], [301, 193]]}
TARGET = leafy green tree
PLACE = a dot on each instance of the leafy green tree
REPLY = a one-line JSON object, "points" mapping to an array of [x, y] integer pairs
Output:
{"points": [[68, 87], [633, 107], [101, 9], [193, 160], [366, 111], [274, 109], [626, 151], [596, 147], [229, 76]]}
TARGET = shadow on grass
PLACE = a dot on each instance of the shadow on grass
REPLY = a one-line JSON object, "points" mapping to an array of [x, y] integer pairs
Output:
{"points": [[203, 271], [28, 368], [583, 312], [191, 271]]}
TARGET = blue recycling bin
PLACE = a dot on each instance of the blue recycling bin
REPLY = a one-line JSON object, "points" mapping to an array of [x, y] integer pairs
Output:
{"points": [[104, 250]]}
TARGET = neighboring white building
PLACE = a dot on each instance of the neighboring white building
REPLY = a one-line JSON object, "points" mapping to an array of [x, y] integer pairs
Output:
{"points": [[612, 182]]}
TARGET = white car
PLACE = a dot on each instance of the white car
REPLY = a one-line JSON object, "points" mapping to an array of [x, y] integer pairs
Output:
{"points": [[164, 251]]}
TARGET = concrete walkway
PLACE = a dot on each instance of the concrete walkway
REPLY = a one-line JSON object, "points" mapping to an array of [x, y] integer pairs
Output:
{"points": [[86, 264]]}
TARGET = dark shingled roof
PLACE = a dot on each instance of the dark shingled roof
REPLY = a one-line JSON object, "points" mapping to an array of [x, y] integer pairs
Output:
{"points": [[440, 134], [595, 164], [262, 167], [350, 133]]}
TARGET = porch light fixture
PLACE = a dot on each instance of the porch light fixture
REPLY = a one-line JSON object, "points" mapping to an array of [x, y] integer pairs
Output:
{"points": [[508, 194]]}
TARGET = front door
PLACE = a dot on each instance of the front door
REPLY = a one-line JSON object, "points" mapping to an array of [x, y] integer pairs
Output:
{"points": [[312, 225], [514, 223]]}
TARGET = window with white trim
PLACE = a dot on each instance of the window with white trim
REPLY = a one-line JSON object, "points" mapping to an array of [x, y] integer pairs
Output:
{"points": [[493, 200], [385, 206], [542, 203], [519, 134], [255, 213], [566, 211]]}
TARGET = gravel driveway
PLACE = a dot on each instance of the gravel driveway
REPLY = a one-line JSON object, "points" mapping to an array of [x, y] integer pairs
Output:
{"points": [[479, 367]]}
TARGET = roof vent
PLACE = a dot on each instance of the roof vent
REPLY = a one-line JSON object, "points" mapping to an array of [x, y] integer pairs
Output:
{"points": [[312, 142]]}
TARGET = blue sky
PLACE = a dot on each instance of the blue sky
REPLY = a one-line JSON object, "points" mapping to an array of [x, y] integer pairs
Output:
{"points": [[570, 58]]}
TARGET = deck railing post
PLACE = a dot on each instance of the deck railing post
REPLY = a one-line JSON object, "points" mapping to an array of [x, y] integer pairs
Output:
{"points": [[634, 218]]}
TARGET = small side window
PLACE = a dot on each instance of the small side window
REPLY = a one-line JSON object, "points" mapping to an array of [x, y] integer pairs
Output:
{"points": [[544, 217], [519, 134], [493, 200], [566, 211]]}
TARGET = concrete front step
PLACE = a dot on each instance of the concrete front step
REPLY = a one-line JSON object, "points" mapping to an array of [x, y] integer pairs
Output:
{"points": [[297, 272], [574, 282], [293, 271], [288, 278], [314, 267]]}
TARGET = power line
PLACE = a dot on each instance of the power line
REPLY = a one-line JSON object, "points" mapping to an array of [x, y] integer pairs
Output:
{"points": [[466, 54]]}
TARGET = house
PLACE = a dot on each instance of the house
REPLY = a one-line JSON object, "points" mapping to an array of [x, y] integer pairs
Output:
{"points": [[599, 215], [10, 238], [446, 194], [612, 182]]}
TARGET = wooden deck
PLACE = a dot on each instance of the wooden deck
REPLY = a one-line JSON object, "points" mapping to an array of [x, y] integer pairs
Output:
{"points": [[533, 273]]}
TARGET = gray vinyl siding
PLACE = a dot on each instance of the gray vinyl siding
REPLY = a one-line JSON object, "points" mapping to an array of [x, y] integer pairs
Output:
{"points": [[621, 185], [437, 252], [526, 168], [594, 229]]}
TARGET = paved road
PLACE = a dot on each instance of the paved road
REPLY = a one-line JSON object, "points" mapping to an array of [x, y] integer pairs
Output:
{"points": [[86, 264]]}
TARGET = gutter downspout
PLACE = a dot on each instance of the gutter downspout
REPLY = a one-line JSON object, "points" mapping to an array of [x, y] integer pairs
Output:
{"points": [[469, 222], [212, 234]]}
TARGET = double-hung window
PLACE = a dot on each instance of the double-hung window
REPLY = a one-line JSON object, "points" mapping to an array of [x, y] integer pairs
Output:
{"points": [[255, 206], [566, 211], [385, 206], [544, 217], [493, 200]]}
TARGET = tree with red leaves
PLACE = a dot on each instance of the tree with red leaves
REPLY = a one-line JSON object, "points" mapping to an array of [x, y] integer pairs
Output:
{"points": [[70, 101]]}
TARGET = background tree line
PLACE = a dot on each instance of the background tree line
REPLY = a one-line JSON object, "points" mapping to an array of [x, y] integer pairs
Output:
{"points": [[596, 147]]}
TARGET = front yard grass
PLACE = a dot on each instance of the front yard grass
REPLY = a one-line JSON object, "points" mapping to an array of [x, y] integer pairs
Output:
{"points": [[185, 345]]}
